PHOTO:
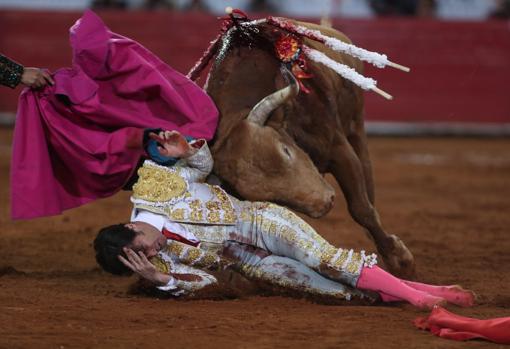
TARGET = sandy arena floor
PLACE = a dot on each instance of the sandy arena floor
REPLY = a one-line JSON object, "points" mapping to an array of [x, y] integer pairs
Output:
{"points": [[448, 199]]}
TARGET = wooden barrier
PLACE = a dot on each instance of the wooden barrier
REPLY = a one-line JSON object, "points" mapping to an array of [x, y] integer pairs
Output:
{"points": [[460, 70]]}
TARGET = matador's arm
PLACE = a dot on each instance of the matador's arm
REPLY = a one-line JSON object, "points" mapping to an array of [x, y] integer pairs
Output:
{"points": [[196, 159], [13, 73], [184, 279], [194, 256], [10, 72]]}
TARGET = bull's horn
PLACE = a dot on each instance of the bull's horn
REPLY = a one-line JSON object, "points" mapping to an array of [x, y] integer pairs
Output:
{"points": [[261, 111]]}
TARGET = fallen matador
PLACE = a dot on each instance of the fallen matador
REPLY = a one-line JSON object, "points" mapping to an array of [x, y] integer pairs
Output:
{"points": [[174, 204]]}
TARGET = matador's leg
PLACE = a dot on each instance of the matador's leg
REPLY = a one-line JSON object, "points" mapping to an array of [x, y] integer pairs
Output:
{"points": [[287, 274], [281, 232]]}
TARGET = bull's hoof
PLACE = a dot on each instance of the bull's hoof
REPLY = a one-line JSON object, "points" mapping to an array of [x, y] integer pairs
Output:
{"points": [[398, 259]]}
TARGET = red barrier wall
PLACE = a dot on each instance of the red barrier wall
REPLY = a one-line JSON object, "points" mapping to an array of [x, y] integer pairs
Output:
{"points": [[460, 71]]}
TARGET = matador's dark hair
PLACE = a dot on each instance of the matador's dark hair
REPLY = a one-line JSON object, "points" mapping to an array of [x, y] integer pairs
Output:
{"points": [[108, 245]]}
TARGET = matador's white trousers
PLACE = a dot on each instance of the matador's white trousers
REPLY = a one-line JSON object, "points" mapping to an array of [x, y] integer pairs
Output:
{"points": [[280, 232]]}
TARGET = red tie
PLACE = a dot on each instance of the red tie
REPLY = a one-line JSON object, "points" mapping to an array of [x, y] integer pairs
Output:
{"points": [[177, 237]]}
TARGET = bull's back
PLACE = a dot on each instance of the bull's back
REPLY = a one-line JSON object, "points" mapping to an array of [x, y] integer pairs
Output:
{"points": [[238, 82], [246, 75], [333, 106]]}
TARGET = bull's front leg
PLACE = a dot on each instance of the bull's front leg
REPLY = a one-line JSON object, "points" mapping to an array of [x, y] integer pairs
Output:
{"points": [[346, 167]]}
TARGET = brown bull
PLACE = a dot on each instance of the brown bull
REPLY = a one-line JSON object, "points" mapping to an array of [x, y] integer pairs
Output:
{"points": [[276, 146]]}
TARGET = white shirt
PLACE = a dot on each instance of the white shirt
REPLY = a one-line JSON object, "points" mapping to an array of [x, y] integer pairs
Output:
{"points": [[160, 221]]}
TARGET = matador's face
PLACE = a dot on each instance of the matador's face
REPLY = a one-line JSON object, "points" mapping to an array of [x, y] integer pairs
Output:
{"points": [[148, 239]]}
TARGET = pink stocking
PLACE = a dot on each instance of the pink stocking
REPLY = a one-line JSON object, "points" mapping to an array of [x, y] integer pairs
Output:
{"points": [[376, 279], [387, 298], [453, 293]]}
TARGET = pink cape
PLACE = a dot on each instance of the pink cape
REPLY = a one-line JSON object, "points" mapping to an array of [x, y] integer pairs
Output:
{"points": [[452, 326], [80, 140]]}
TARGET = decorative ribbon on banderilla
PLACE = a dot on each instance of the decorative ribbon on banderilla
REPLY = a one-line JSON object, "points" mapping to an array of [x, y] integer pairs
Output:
{"points": [[290, 50]]}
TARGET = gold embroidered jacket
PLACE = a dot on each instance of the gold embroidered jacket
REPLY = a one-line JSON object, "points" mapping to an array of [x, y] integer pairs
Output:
{"points": [[179, 191]]}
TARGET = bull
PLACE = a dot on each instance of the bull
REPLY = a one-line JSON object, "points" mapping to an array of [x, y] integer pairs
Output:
{"points": [[275, 144]]}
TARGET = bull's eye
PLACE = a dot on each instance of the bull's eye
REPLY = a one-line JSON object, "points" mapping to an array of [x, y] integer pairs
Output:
{"points": [[287, 152]]}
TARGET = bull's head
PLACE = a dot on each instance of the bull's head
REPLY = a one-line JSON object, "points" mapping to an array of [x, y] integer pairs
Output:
{"points": [[265, 164]]}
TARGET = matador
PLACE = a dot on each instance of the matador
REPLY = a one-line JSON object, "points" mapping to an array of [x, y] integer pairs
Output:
{"points": [[180, 226]]}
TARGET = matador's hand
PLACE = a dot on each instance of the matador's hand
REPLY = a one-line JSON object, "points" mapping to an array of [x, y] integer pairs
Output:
{"points": [[139, 264], [36, 78], [173, 144]]}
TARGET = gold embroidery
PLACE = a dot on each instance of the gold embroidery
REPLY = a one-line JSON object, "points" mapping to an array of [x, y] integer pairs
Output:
{"points": [[340, 261], [295, 220], [160, 264], [177, 214], [273, 227], [220, 194], [158, 185], [192, 256], [309, 246], [354, 264], [175, 248], [212, 248], [229, 215], [209, 261], [213, 216], [196, 211], [288, 234], [246, 214], [265, 225], [328, 254], [215, 234]]}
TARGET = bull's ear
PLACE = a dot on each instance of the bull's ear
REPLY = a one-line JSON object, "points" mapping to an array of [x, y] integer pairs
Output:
{"points": [[263, 109]]}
